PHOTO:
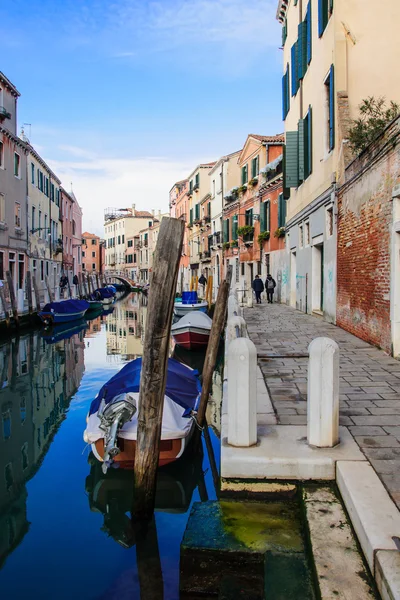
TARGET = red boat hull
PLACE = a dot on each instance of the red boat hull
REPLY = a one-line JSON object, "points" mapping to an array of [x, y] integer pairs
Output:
{"points": [[192, 340]]}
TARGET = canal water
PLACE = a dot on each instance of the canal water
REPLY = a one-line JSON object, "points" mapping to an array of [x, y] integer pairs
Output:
{"points": [[64, 528]]}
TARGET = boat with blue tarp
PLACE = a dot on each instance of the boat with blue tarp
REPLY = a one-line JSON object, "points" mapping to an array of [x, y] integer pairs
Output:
{"points": [[63, 312], [113, 415], [104, 295], [187, 303]]}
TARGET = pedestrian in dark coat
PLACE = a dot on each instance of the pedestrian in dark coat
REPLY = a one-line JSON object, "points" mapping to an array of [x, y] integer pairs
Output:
{"points": [[270, 285], [258, 288]]}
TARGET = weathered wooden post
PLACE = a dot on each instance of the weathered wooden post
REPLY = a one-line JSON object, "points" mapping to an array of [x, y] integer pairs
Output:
{"points": [[49, 290], [5, 306], [37, 294], [85, 294], [212, 349], [154, 365], [97, 280], [12, 298], [323, 393], [29, 292]]}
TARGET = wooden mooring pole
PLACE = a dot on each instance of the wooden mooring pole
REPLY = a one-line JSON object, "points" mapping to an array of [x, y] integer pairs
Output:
{"points": [[5, 306], [49, 290], [37, 294], [212, 350], [12, 298], [29, 292], [154, 366]]}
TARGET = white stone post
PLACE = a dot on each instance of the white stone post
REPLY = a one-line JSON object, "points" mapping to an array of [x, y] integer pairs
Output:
{"points": [[233, 305], [231, 325], [20, 301], [242, 393], [323, 393]]}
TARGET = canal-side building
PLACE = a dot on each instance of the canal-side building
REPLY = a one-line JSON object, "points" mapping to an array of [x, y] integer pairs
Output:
{"points": [[132, 258], [244, 214], [179, 207], [197, 194], [121, 225], [223, 176], [71, 221], [13, 189], [45, 246], [330, 65], [91, 253]]}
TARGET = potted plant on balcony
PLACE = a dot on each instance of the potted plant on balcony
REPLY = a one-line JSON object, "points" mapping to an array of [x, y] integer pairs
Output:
{"points": [[280, 232], [226, 245], [234, 244], [245, 230], [264, 236], [253, 182], [242, 189]]}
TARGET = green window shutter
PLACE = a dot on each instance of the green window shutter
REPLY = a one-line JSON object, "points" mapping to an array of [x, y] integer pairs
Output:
{"points": [[197, 213], [209, 209], [284, 101], [302, 50], [322, 16], [284, 32], [244, 175], [300, 129], [226, 230], [309, 33], [191, 216], [294, 69], [262, 216], [281, 211], [309, 141], [234, 228], [268, 215], [291, 166], [331, 109], [254, 167]]}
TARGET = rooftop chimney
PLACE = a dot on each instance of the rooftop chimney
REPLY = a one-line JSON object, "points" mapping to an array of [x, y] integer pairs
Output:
{"points": [[153, 212], [133, 210]]}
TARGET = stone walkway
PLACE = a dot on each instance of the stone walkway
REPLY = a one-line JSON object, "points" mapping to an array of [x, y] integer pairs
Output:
{"points": [[369, 382]]}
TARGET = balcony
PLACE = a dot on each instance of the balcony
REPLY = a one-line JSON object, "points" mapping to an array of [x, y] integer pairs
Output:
{"points": [[205, 256], [196, 187], [4, 114], [189, 193], [206, 219], [216, 239], [57, 246]]}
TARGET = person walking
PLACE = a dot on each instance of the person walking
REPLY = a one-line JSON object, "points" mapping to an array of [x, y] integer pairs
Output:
{"points": [[203, 282], [258, 288], [270, 285]]}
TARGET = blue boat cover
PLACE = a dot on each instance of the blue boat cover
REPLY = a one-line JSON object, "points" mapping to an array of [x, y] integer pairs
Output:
{"points": [[62, 332], [183, 385], [112, 288], [104, 293], [65, 307], [189, 297]]}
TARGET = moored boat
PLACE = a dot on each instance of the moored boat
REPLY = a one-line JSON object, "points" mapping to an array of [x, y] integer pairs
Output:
{"points": [[95, 305], [192, 331], [188, 303], [63, 311], [113, 415], [104, 295]]}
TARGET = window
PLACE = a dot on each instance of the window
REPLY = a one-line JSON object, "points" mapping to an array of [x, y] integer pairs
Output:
{"points": [[307, 233], [123, 238], [234, 228], [325, 9], [213, 187], [268, 263], [301, 236], [242, 268], [134, 258], [285, 94], [330, 104], [191, 186], [291, 160], [83, 266], [47, 268], [294, 68], [130, 243], [94, 242], [2, 208], [191, 217], [329, 221], [33, 217], [197, 211], [281, 211], [284, 32], [17, 214], [46, 186], [57, 197], [45, 232], [93, 254], [41, 270], [52, 194], [254, 167], [226, 230], [245, 175], [93, 266], [265, 216], [17, 165], [309, 33], [32, 173], [259, 267], [119, 239], [197, 181], [249, 216], [83, 254], [305, 146]]}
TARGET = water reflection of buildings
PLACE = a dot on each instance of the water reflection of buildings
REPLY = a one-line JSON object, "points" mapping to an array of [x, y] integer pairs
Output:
{"points": [[125, 327], [37, 382]]}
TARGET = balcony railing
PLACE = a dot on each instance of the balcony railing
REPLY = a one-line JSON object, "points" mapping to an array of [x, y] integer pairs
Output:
{"points": [[4, 114], [205, 255]]}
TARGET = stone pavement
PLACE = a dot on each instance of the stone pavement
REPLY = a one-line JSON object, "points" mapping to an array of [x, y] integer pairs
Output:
{"points": [[369, 382]]}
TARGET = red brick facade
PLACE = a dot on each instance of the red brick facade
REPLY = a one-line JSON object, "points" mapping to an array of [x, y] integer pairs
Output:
{"points": [[365, 217]]}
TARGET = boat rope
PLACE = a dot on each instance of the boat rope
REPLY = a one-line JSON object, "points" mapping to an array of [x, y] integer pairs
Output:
{"points": [[193, 416]]}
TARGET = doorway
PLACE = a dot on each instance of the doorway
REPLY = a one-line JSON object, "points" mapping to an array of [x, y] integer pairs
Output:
{"points": [[317, 283], [293, 279]]}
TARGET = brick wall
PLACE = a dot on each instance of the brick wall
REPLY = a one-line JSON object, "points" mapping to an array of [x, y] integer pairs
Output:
{"points": [[364, 241]]}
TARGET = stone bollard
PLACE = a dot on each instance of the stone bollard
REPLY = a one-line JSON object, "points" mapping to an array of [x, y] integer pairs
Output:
{"points": [[242, 393], [231, 332], [323, 393], [250, 300], [20, 301]]}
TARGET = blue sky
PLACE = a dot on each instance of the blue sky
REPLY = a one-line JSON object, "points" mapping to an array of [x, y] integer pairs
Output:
{"points": [[125, 98]]}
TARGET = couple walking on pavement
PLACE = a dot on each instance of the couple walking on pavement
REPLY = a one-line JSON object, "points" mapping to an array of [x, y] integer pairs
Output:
{"points": [[258, 288]]}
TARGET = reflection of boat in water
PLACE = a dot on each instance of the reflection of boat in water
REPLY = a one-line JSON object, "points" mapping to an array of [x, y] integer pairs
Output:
{"points": [[113, 415], [63, 331], [112, 494]]}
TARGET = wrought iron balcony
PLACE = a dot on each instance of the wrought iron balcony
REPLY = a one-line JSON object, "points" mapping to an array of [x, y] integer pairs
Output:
{"points": [[4, 114]]}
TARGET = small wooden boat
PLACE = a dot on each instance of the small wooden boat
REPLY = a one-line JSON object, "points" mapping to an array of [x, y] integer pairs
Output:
{"points": [[113, 415], [64, 311], [192, 331], [181, 309]]}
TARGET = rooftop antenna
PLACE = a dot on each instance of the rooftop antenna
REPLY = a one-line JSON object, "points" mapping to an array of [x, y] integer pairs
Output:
{"points": [[30, 128]]}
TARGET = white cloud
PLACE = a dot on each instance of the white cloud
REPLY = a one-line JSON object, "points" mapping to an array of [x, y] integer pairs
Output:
{"points": [[103, 182]]}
